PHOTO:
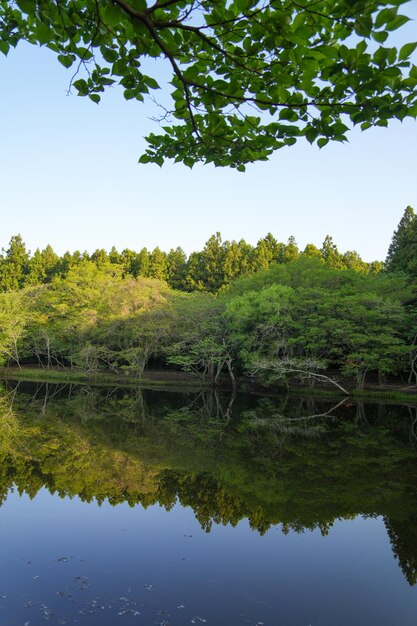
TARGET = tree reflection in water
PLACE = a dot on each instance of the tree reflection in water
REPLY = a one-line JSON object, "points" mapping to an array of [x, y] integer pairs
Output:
{"points": [[292, 461]]}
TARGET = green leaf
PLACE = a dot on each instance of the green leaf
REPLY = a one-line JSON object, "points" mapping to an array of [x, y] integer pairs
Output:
{"points": [[109, 54], [413, 71], [410, 83], [323, 141], [4, 47], [111, 14], [407, 50], [311, 134], [363, 26], [120, 68], [242, 5], [385, 16], [380, 37], [43, 33], [94, 97], [84, 53], [288, 114], [400, 20], [150, 82], [81, 86], [339, 128], [66, 60], [130, 94], [412, 111], [27, 6]]}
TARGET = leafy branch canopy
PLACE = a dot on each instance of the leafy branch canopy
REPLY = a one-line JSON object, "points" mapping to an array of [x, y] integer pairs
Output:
{"points": [[247, 76]]}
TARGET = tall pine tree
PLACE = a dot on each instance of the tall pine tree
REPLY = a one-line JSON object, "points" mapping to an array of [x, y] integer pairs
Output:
{"points": [[14, 265], [402, 253]]}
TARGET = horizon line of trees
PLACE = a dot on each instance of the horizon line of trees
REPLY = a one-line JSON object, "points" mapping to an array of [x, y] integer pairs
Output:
{"points": [[211, 269], [299, 318]]}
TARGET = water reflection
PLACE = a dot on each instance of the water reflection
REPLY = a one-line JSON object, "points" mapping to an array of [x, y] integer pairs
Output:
{"points": [[296, 462]]}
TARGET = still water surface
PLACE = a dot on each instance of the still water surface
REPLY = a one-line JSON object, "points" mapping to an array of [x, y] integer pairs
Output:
{"points": [[144, 507]]}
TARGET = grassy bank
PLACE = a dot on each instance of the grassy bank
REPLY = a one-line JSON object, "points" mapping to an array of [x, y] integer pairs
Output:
{"points": [[157, 379]]}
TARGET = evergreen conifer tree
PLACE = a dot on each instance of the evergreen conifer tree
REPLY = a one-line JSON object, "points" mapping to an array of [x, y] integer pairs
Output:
{"points": [[402, 253]]}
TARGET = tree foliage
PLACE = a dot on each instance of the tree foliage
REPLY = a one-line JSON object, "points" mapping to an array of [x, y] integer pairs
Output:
{"points": [[307, 316], [402, 253], [297, 319], [211, 269], [267, 310], [247, 77]]}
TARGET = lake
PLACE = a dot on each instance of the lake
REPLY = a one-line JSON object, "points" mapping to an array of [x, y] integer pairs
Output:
{"points": [[134, 506]]}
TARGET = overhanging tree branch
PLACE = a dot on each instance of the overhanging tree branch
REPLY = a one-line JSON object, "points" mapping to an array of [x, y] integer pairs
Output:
{"points": [[280, 57]]}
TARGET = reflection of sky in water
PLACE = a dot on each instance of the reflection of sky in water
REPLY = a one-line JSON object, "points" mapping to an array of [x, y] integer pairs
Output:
{"points": [[66, 559]]}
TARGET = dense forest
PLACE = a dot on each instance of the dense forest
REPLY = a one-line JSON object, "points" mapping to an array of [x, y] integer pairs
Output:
{"points": [[270, 311], [211, 269]]}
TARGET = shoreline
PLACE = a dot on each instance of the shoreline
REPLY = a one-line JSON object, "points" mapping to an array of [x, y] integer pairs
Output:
{"points": [[187, 381]]}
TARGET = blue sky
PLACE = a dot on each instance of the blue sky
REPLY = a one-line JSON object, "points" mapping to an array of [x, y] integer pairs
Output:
{"points": [[69, 176]]}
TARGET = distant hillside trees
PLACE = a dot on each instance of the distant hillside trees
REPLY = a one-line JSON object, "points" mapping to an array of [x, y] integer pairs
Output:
{"points": [[211, 269]]}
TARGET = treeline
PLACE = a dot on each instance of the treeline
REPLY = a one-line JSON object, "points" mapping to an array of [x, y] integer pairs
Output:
{"points": [[300, 318], [211, 269]]}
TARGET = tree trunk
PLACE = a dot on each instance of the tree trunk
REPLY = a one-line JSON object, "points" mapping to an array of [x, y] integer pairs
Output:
{"points": [[413, 367], [48, 353], [231, 374], [16, 351], [360, 379]]}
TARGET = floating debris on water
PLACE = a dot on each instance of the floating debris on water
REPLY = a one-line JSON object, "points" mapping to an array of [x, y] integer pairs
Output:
{"points": [[128, 605], [163, 612], [82, 582], [46, 612]]}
